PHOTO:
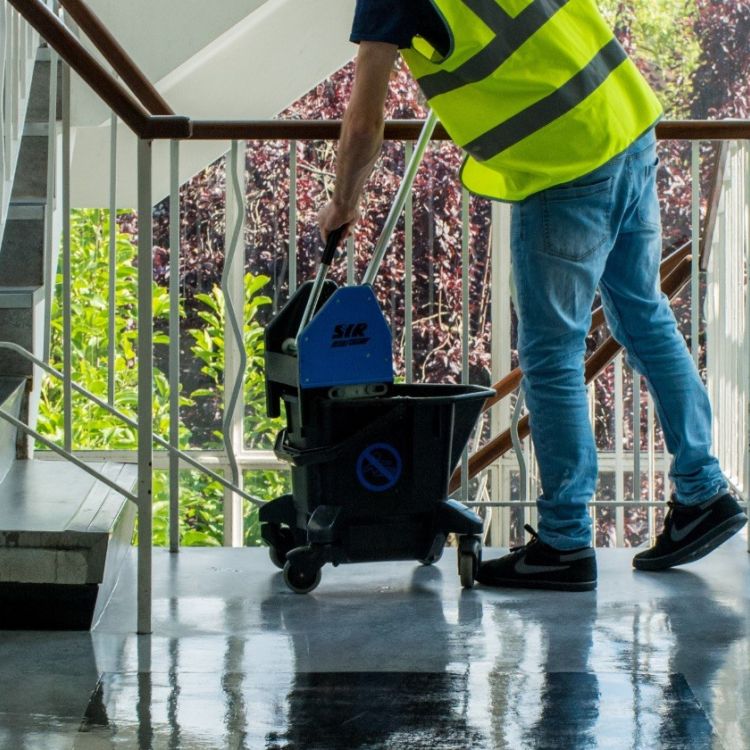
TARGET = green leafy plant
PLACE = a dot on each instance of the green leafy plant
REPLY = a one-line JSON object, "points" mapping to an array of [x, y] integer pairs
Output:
{"points": [[258, 429], [208, 348], [94, 428], [201, 497]]}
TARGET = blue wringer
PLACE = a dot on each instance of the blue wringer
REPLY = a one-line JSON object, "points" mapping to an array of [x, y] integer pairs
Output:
{"points": [[348, 342]]}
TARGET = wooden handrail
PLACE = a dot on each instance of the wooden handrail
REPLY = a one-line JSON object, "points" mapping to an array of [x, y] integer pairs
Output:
{"points": [[312, 130], [595, 363], [117, 57], [409, 130], [704, 130]]}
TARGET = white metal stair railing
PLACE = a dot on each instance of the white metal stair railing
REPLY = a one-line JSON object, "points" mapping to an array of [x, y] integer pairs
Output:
{"points": [[18, 48], [728, 320], [70, 456]]}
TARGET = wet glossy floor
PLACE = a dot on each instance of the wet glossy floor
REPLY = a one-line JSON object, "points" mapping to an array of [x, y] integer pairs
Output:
{"points": [[393, 656]]}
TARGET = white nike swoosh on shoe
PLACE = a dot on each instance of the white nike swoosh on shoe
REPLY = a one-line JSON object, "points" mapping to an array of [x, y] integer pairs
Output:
{"points": [[677, 535], [523, 569]]}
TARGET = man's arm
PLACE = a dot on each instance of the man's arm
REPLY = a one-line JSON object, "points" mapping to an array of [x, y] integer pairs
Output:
{"points": [[361, 135]]}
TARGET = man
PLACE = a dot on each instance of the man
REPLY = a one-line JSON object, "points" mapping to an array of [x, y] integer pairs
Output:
{"points": [[557, 120]]}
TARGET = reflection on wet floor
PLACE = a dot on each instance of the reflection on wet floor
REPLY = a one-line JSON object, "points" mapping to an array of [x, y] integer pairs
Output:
{"points": [[568, 710], [390, 656]]}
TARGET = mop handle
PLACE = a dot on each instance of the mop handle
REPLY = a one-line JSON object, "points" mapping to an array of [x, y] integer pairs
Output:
{"points": [[394, 214], [400, 201], [325, 262]]}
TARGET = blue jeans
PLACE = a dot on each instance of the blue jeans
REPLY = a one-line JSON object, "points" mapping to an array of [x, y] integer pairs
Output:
{"points": [[604, 231]]}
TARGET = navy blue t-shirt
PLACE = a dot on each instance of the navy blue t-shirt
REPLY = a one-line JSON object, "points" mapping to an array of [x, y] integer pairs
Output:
{"points": [[397, 22]]}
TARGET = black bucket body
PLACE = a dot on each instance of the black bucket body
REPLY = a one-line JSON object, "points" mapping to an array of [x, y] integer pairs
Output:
{"points": [[370, 475]]}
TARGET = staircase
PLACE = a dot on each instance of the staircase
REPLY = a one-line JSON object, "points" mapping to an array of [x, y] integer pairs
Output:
{"points": [[63, 533]]}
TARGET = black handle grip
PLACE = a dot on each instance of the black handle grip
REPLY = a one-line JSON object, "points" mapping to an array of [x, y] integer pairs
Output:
{"points": [[333, 242]]}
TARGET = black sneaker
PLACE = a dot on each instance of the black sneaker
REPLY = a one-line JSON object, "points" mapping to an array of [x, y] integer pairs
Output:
{"points": [[536, 565], [691, 532]]}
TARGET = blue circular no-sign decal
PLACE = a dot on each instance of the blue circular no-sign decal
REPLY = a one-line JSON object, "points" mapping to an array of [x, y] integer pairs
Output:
{"points": [[379, 467]]}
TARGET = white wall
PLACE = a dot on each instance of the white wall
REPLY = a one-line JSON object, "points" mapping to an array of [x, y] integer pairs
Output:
{"points": [[160, 36], [251, 71]]}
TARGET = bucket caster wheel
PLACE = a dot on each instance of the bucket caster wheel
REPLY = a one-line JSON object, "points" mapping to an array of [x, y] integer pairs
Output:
{"points": [[436, 551], [302, 579], [469, 559], [285, 541], [431, 559]]}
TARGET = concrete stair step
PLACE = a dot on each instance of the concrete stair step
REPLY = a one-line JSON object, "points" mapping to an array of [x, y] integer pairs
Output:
{"points": [[22, 249], [38, 107], [63, 537], [30, 185], [11, 400]]}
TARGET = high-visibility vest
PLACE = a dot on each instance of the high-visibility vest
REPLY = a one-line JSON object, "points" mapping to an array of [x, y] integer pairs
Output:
{"points": [[537, 92]]}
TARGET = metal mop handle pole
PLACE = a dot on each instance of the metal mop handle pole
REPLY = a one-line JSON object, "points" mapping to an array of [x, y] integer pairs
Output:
{"points": [[328, 254], [403, 193]]}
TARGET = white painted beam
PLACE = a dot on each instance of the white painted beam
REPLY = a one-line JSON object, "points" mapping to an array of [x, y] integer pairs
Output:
{"points": [[252, 71]]}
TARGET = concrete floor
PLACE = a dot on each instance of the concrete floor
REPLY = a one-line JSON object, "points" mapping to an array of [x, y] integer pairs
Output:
{"points": [[393, 656]]}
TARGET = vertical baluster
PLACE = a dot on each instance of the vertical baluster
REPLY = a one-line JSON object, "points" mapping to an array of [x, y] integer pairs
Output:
{"points": [[292, 260], [731, 297], [175, 247], [409, 275], [350, 272], [520, 448], [22, 58], [465, 323], [235, 358], [695, 267], [50, 245], [637, 496], [665, 461], [534, 485], [15, 120], [66, 267], [3, 129], [619, 457], [592, 419], [745, 383], [738, 277], [145, 384], [500, 332], [650, 471], [112, 299], [7, 93]]}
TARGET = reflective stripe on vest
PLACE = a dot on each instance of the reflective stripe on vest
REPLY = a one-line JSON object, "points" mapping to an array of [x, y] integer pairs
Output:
{"points": [[538, 92], [511, 34]]}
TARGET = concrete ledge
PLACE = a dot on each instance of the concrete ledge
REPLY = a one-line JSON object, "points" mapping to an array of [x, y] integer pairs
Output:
{"points": [[20, 297], [63, 536]]}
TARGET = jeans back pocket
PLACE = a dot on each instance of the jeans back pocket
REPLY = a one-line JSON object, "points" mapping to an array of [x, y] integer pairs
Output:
{"points": [[576, 218]]}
